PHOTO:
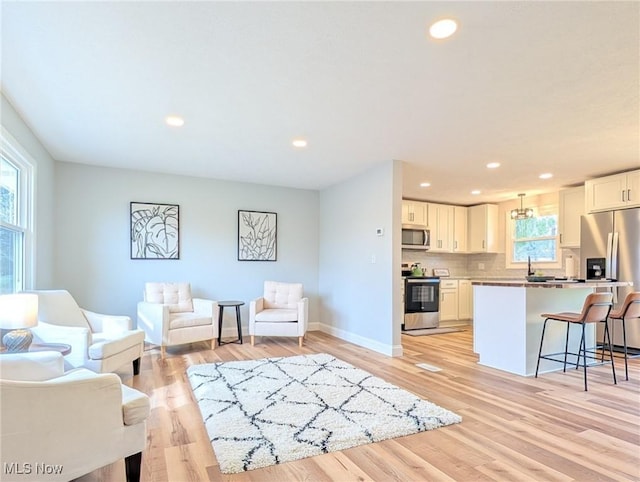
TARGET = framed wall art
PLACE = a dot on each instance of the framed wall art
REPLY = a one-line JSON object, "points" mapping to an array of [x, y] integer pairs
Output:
{"points": [[257, 236], [155, 231]]}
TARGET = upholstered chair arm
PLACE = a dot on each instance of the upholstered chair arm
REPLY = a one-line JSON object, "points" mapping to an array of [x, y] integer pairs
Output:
{"points": [[31, 366], [80, 412], [303, 315], [255, 306], [78, 337], [107, 323], [205, 308], [153, 318]]}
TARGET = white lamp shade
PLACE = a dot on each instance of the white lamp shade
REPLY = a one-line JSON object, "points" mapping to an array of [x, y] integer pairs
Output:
{"points": [[19, 310]]}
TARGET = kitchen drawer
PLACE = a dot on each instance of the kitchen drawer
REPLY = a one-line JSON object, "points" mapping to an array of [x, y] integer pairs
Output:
{"points": [[448, 284]]}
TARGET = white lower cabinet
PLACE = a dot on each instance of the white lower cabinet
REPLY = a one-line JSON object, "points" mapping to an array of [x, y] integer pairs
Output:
{"points": [[465, 300], [456, 302], [448, 300]]}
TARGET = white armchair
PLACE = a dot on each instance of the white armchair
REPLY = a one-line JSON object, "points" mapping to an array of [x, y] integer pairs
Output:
{"points": [[60, 426], [170, 316], [281, 311], [102, 343]]}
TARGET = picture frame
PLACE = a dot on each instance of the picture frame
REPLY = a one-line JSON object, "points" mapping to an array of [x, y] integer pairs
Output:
{"points": [[257, 235], [155, 230]]}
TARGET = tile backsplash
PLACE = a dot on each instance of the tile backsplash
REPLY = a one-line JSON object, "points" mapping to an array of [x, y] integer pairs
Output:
{"points": [[467, 265]]}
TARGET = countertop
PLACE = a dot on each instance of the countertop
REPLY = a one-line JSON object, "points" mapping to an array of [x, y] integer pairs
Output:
{"points": [[519, 283]]}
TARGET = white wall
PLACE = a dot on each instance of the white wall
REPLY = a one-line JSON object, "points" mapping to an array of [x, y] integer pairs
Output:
{"points": [[44, 199], [92, 237], [360, 299]]}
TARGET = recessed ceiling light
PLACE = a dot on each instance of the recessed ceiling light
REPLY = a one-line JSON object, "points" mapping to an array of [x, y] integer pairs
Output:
{"points": [[425, 184], [493, 165], [475, 192], [546, 175], [443, 28], [299, 143], [174, 121]]}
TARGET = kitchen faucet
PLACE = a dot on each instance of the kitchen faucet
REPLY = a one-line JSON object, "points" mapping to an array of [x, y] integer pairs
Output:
{"points": [[529, 270]]}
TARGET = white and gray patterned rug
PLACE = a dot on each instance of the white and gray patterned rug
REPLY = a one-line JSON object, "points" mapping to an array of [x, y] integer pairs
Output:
{"points": [[274, 410]]}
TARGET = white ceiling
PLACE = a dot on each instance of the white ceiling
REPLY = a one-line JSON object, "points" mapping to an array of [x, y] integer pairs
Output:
{"points": [[538, 86]]}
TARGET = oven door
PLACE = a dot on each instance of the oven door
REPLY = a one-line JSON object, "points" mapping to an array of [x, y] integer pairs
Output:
{"points": [[421, 295]]}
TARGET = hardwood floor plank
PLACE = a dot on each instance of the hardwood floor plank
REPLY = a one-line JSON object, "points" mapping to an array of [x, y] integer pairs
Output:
{"points": [[513, 429]]}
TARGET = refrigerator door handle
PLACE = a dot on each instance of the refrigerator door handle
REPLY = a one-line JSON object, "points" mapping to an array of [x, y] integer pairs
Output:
{"points": [[607, 261], [614, 257]]}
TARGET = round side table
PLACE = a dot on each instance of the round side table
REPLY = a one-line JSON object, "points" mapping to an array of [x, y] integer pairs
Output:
{"points": [[62, 348], [222, 305]]}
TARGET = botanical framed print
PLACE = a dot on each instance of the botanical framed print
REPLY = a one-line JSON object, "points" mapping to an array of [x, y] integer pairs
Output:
{"points": [[155, 231], [257, 236]]}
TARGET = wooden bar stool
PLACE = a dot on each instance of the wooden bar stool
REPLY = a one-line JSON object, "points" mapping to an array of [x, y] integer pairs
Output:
{"points": [[596, 309], [630, 309]]}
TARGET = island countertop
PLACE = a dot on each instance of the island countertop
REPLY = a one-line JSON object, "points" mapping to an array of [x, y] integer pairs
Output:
{"points": [[515, 283]]}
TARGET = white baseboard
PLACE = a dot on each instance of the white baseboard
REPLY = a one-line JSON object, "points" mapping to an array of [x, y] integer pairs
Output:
{"points": [[389, 350]]}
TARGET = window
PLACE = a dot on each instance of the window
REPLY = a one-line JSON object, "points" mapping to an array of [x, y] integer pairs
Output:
{"points": [[16, 236], [534, 238]]}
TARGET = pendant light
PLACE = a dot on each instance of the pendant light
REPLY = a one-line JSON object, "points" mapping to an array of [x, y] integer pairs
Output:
{"points": [[521, 213]]}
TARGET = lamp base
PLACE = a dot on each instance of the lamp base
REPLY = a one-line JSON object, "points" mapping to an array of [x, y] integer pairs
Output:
{"points": [[17, 340]]}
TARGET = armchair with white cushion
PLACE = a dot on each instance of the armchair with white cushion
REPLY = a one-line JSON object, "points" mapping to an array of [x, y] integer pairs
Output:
{"points": [[169, 316], [281, 311], [59, 425], [102, 343]]}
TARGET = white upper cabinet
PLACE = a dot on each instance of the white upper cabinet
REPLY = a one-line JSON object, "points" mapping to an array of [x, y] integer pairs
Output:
{"points": [[571, 208], [613, 192], [414, 212], [483, 228], [459, 229], [440, 223]]}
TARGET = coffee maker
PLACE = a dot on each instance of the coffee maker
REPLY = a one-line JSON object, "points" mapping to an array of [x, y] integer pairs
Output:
{"points": [[595, 268]]}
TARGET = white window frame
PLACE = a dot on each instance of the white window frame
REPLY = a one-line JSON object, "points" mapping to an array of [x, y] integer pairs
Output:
{"points": [[11, 150], [544, 210]]}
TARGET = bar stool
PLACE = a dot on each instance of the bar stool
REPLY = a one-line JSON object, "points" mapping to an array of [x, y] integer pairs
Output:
{"points": [[596, 308], [630, 309]]}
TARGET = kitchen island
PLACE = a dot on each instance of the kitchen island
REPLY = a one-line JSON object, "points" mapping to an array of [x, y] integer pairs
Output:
{"points": [[507, 325]]}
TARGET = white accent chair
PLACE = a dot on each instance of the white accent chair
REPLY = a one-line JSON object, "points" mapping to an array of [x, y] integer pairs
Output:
{"points": [[281, 311], [170, 316], [102, 343], [74, 422]]}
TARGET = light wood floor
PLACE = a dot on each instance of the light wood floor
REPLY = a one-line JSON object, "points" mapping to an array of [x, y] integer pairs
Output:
{"points": [[513, 428]]}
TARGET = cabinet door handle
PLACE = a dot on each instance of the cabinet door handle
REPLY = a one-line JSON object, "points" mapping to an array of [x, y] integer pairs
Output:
{"points": [[560, 238], [455, 245], [623, 195], [483, 244], [628, 195]]}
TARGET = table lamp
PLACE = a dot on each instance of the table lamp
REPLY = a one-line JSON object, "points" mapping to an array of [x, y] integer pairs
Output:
{"points": [[18, 312]]}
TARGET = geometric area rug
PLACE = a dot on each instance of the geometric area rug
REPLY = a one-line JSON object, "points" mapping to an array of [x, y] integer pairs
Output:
{"points": [[274, 410]]}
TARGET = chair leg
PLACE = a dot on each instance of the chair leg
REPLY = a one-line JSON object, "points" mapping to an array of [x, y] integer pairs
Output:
{"points": [[136, 366], [566, 348], [583, 347], [624, 341], [132, 465], [579, 351], [300, 338], [544, 327], [608, 336], [213, 343], [163, 351], [253, 340]]}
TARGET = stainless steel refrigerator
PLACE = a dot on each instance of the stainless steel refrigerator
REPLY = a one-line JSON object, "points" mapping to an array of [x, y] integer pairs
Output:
{"points": [[615, 236]]}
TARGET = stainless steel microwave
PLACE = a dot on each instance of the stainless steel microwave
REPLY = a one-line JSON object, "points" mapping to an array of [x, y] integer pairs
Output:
{"points": [[414, 238]]}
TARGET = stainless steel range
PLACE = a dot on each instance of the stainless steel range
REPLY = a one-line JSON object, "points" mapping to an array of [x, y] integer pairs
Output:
{"points": [[421, 302]]}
